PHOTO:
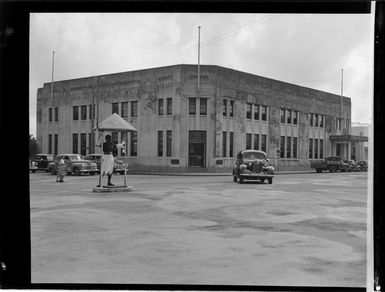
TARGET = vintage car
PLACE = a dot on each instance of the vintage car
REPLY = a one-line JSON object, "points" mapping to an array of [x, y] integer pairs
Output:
{"points": [[75, 164], [331, 164], [42, 161], [96, 158], [363, 165], [32, 166], [352, 165], [252, 165]]}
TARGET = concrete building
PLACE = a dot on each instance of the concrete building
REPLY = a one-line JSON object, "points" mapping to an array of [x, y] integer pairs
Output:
{"points": [[360, 149], [186, 124]]}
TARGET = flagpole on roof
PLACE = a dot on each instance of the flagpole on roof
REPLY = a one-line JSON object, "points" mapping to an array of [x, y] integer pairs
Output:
{"points": [[199, 49], [53, 62]]}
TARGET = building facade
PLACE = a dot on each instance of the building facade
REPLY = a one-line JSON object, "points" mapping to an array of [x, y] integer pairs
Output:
{"points": [[186, 124], [360, 149]]}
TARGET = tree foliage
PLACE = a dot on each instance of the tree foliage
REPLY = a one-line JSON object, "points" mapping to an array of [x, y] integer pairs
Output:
{"points": [[33, 146]]}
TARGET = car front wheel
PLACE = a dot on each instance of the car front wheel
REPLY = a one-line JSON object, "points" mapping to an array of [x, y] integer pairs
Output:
{"points": [[52, 171], [270, 180], [76, 171], [235, 178]]}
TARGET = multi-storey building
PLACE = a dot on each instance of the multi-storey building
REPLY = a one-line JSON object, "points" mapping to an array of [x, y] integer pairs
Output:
{"points": [[188, 124]]}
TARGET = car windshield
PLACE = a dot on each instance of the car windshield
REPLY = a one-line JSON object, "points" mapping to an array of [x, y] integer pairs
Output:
{"points": [[75, 157], [253, 155]]}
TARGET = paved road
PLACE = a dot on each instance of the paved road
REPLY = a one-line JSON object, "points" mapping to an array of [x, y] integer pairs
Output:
{"points": [[304, 229]]}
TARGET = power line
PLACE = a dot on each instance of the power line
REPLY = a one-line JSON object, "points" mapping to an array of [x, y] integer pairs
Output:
{"points": [[210, 41]]}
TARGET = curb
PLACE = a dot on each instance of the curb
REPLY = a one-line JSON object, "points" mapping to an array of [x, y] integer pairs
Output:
{"points": [[208, 173]]}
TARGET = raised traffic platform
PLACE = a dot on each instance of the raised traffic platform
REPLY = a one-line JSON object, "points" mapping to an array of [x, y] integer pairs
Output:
{"points": [[111, 189]]}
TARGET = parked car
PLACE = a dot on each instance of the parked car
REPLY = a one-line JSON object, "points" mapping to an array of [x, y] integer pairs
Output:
{"points": [[96, 158], [352, 165], [74, 163], [332, 164], [42, 161], [363, 165], [32, 166], [252, 165]]}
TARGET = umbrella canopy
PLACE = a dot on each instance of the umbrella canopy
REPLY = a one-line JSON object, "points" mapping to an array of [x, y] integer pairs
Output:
{"points": [[115, 123]]}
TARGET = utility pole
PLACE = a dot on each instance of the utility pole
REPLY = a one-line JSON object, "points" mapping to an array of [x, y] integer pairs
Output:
{"points": [[53, 62], [199, 49]]}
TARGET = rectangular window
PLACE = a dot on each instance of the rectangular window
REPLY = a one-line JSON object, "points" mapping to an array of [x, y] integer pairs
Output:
{"points": [[50, 114], [288, 116], [311, 120], [295, 117], [134, 109], [231, 109], [192, 110], [56, 114], [83, 144], [339, 124], [83, 112], [56, 144], [315, 120], [39, 116], [123, 141], [160, 143], [160, 107], [91, 111], [248, 111], [115, 137], [169, 143], [169, 106], [321, 121], [316, 148], [75, 113], [134, 144], [256, 112], [115, 107], [225, 107], [321, 148], [310, 148], [224, 143], [124, 110], [90, 143], [264, 113], [231, 152], [203, 106], [248, 141], [263, 143], [50, 144], [295, 146], [256, 141], [283, 116], [282, 147], [288, 147], [75, 142]]}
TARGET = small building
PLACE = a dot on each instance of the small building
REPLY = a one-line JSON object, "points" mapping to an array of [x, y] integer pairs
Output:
{"points": [[360, 149], [189, 125]]}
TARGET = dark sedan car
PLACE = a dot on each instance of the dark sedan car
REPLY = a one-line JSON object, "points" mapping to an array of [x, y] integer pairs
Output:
{"points": [[42, 161], [252, 165]]}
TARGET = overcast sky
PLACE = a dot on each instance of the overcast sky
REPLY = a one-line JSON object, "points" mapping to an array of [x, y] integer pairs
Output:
{"points": [[308, 50]]}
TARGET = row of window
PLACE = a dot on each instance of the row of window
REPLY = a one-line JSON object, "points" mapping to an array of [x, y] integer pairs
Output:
{"points": [[316, 148], [259, 142], [124, 109], [168, 143], [84, 110], [53, 114], [260, 112], [230, 108], [288, 147], [192, 106], [316, 120], [168, 106], [224, 144], [289, 116]]}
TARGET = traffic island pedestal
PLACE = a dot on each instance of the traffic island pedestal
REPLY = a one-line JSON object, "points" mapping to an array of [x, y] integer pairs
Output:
{"points": [[111, 189]]}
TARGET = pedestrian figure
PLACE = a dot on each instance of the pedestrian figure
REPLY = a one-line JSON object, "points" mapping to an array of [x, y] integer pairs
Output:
{"points": [[61, 170], [108, 160]]}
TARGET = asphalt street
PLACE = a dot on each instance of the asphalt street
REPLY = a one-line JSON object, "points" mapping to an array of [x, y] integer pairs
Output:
{"points": [[304, 229]]}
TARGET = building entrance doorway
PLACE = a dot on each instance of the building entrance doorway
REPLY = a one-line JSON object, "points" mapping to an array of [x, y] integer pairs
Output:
{"points": [[197, 149]]}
